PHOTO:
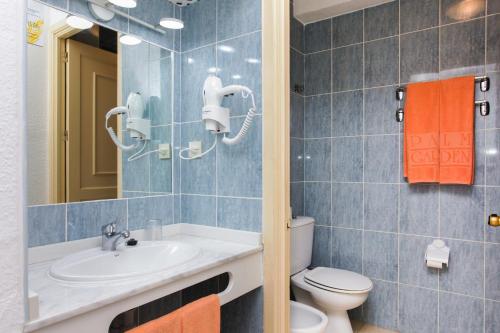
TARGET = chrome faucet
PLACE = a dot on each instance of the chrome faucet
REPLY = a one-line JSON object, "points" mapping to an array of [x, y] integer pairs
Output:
{"points": [[111, 237]]}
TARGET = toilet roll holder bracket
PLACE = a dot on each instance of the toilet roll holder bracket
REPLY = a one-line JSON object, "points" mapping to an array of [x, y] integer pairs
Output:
{"points": [[437, 254]]}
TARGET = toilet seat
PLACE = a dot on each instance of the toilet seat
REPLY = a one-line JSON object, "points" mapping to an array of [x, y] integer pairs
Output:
{"points": [[338, 280]]}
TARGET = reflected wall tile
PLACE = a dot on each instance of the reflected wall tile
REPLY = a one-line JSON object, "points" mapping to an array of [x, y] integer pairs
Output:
{"points": [[296, 115], [454, 11], [460, 314], [381, 307], [420, 56], [244, 314], [462, 212], [46, 224], [237, 17], [297, 40], [380, 106], [141, 210], [381, 159], [297, 198], [419, 213], [493, 42], [321, 246], [240, 214], [382, 21], [492, 150], [149, 12], [347, 249], [380, 255], [381, 207], [86, 219], [347, 113], [418, 15], [317, 162], [412, 267], [199, 25], [198, 209], [347, 29], [296, 160], [245, 159], [480, 155], [177, 111], [135, 176], [492, 323], [317, 202], [492, 207], [470, 59], [493, 6], [297, 64], [317, 116], [418, 310], [176, 161], [61, 4], [492, 266], [317, 73], [347, 205], [493, 96], [318, 36], [465, 274], [347, 159], [347, 68], [160, 90], [381, 62], [160, 170]]}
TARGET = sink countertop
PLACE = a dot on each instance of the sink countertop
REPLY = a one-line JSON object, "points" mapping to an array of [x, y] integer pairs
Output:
{"points": [[60, 300]]}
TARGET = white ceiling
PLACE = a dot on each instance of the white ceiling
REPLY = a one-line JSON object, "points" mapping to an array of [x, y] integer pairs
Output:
{"points": [[308, 11]]}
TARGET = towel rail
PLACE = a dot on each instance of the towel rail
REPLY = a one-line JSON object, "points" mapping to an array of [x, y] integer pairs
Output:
{"points": [[484, 106]]}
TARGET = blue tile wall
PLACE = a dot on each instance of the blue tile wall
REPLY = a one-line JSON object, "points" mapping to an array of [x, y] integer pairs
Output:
{"points": [[380, 226], [46, 225]]}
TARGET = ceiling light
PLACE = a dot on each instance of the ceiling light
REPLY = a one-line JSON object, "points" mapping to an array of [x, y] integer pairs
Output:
{"points": [[236, 77], [78, 22], [227, 49], [465, 9], [124, 3], [252, 60], [171, 23], [130, 40]]}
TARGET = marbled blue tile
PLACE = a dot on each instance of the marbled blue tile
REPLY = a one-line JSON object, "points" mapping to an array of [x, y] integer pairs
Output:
{"points": [[297, 198], [198, 209], [296, 160], [457, 10], [412, 267], [492, 265], [317, 202], [141, 210], [462, 212], [347, 205], [380, 259], [380, 107], [244, 314], [177, 208], [381, 307], [347, 249], [465, 274], [381, 159], [317, 162], [347, 159], [419, 214], [317, 116], [493, 96], [297, 40], [493, 43], [237, 17], [199, 25], [493, 6], [244, 159], [297, 63], [197, 176], [460, 314], [480, 154], [318, 36], [160, 170], [420, 56], [235, 68], [347, 113], [196, 66], [382, 21], [318, 73], [347, 68], [418, 310], [61, 4], [381, 207], [381, 62], [296, 115], [492, 234], [81, 8], [321, 255], [492, 150], [176, 161], [240, 214], [418, 15], [160, 90], [492, 321], [46, 225], [85, 219], [177, 111], [347, 29]]}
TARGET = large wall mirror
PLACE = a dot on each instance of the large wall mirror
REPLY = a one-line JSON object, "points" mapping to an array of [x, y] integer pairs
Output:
{"points": [[77, 73]]}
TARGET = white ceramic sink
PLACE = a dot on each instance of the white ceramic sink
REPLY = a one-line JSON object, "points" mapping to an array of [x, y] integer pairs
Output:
{"points": [[127, 262]]}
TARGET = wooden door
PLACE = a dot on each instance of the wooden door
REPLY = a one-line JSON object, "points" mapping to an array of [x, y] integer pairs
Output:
{"points": [[91, 90]]}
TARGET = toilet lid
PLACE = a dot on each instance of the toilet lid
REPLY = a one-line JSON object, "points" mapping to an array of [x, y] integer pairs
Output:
{"points": [[338, 279]]}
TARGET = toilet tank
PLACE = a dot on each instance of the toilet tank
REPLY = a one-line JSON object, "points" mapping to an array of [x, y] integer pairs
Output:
{"points": [[301, 243]]}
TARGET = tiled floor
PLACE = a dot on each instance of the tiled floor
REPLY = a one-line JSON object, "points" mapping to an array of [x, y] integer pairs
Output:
{"points": [[360, 327]]}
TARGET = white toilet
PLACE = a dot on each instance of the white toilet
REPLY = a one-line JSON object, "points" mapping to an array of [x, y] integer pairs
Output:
{"points": [[333, 291]]}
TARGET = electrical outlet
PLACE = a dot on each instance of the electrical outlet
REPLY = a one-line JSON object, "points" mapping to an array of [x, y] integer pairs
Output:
{"points": [[164, 151], [194, 148]]}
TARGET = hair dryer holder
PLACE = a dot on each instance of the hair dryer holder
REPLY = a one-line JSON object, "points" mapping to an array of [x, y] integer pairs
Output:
{"points": [[139, 128], [216, 118]]}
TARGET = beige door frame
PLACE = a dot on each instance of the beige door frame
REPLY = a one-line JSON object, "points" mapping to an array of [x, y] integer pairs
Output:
{"points": [[276, 163]]}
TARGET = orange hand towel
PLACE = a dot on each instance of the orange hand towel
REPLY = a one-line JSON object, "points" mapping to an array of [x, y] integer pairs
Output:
{"points": [[457, 131], [202, 316], [421, 133], [170, 323]]}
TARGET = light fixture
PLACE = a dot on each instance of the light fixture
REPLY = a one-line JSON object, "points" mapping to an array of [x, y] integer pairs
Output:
{"points": [[130, 40], [226, 48], [171, 23], [124, 3], [252, 60], [465, 9], [78, 22]]}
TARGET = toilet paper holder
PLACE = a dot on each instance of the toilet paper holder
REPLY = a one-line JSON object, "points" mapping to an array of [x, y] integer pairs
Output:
{"points": [[437, 254]]}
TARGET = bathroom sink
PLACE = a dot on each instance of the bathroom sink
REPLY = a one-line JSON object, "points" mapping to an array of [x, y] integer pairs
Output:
{"points": [[127, 262]]}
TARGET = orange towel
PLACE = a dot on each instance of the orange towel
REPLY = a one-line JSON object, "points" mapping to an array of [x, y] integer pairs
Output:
{"points": [[457, 131], [170, 323], [202, 316]]}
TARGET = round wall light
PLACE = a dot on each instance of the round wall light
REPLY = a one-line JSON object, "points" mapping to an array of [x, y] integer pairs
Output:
{"points": [[78, 22], [124, 3], [130, 40], [171, 23]]}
